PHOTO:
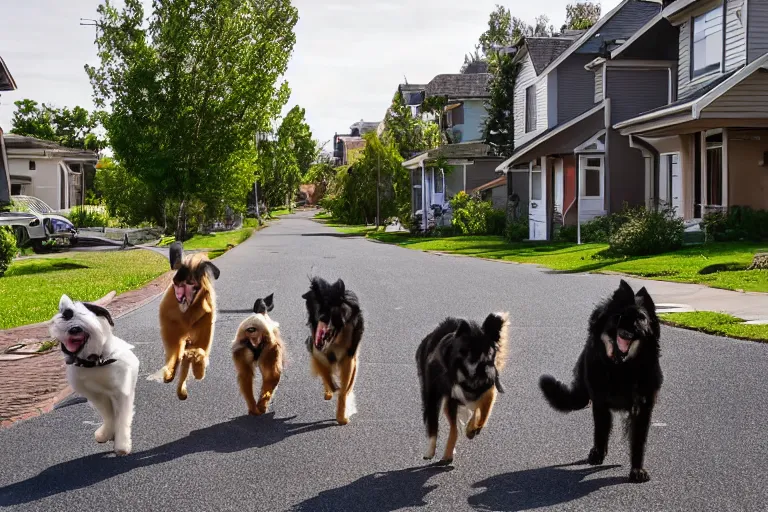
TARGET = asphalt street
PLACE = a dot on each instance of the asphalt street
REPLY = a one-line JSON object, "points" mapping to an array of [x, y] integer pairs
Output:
{"points": [[707, 450]]}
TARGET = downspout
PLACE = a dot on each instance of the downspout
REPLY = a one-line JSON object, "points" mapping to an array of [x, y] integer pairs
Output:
{"points": [[578, 197], [606, 157]]}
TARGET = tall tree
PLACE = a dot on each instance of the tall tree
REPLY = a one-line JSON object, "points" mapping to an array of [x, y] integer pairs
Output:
{"points": [[499, 127], [407, 132], [187, 88], [72, 128], [581, 15]]}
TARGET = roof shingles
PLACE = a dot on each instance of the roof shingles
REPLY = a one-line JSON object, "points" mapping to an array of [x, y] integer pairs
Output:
{"points": [[544, 50], [458, 86]]}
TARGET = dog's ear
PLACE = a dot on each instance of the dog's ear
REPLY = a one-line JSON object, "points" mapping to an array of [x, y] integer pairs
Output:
{"points": [[269, 300], [65, 303], [264, 305], [212, 269], [340, 287], [99, 311], [492, 326], [309, 295], [624, 292], [176, 255], [463, 329], [644, 300]]}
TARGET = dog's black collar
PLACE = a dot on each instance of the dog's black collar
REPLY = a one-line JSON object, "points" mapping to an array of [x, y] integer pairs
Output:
{"points": [[256, 351], [93, 360]]}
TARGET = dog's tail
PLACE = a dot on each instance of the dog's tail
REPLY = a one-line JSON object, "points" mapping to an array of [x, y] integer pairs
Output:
{"points": [[562, 398]]}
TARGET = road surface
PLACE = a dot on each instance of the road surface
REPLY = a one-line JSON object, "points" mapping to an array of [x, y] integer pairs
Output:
{"points": [[708, 448]]}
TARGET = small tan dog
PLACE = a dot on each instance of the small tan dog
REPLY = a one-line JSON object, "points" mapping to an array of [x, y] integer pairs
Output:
{"points": [[187, 318], [258, 343]]}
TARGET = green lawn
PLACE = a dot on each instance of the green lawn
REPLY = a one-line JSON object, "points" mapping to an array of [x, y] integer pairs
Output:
{"points": [[720, 265], [218, 241], [719, 324], [279, 212], [31, 289]]}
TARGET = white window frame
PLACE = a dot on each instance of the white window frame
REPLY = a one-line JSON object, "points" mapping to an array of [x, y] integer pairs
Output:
{"points": [[697, 74], [583, 172]]}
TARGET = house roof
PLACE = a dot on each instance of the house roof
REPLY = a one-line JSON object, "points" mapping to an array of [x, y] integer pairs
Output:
{"points": [[458, 86], [460, 151], [693, 103], [631, 19], [7, 82], [498, 182], [365, 126], [23, 142], [563, 138], [543, 50]]}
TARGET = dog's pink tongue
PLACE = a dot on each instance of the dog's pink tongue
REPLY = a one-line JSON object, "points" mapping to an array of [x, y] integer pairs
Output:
{"points": [[623, 344], [73, 344], [180, 291], [320, 334]]}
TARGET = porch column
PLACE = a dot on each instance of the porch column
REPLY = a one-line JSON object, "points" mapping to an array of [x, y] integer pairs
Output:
{"points": [[724, 200], [465, 177], [424, 222], [578, 199]]}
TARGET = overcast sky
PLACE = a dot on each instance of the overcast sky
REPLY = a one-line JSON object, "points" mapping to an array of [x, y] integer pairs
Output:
{"points": [[349, 58]]}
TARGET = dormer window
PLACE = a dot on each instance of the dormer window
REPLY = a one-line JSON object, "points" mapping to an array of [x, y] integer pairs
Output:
{"points": [[707, 46]]}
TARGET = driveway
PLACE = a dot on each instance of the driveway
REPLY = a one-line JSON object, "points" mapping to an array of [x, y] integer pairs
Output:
{"points": [[708, 448]]}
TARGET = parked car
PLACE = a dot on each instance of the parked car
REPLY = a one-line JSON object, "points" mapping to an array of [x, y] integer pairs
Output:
{"points": [[37, 225]]}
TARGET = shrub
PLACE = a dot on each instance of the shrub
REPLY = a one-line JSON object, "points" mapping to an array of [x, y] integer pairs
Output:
{"points": [[496, 222], [517, 230], [7, 248], [471, 216], [739, 223], [567, 234], [648, 232], [85, 217], [600, 229]]}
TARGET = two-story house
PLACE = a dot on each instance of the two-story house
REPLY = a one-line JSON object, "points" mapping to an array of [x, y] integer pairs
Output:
{"points": [[347, 148], [469, 162], [707, 146], [6, 84], [576, 166]]}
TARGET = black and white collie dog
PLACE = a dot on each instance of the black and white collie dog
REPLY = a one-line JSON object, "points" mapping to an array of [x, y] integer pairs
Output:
{"points": [[618, 370], [100, 366], [458, 365]]}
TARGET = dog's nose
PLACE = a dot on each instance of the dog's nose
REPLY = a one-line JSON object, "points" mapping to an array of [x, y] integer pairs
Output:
{"points": [[75, 330], [67, 314]]}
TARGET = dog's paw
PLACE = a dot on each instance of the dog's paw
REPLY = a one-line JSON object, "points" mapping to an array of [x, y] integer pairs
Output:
{"points": [[595, 457], [258, 410], [168, 375], [103, 434], [639, 475], [342, 420], [472, 432], [182, 393], [123, 448], [328, 395], [431, 447], [446, 461]]}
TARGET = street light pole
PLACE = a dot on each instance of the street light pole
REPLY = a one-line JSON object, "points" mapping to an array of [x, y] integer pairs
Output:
{"points": [[378, 193]]}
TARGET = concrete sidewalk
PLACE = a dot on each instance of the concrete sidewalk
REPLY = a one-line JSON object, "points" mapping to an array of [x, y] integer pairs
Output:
{"points": [[672, 297]]}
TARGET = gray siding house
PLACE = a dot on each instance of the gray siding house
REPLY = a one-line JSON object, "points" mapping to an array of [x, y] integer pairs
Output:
{"points": [[567, 98], [707, 147], [6, 84]]}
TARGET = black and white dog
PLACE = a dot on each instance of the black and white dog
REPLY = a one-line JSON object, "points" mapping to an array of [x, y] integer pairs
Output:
{"points": [[100, 366], [458, 365]]}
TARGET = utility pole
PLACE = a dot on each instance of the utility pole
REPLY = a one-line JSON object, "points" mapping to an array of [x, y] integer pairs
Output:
{"points": [[378, 193]]}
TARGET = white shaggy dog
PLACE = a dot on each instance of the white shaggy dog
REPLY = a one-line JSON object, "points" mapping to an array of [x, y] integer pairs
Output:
{"points": [[100, 366]]}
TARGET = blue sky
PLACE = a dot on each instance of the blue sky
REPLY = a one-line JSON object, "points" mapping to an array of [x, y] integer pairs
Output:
{"points": [[349, 57]]}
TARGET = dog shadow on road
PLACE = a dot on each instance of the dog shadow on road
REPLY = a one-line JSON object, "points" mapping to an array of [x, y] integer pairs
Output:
{"points": [[378, 492], [540, 487], [236, 435]]}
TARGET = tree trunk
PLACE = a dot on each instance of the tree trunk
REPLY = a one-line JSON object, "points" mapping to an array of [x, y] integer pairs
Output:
{"points": [[181, 222], [760, 261]]}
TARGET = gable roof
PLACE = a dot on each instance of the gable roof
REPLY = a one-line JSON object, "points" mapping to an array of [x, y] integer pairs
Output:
{"points": [[24, 142], [459, 151], [543, 50], [458, 86], [6, 80], [637, 14]]}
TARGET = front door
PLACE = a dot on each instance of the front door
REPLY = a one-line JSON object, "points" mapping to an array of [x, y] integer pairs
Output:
{"points": [[438, 187], [591, 187], [671, 183], [537, 209]]}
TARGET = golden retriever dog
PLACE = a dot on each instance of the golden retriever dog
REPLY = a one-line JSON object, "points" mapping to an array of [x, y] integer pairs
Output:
{"points": [[258, 344], [187, 317]]}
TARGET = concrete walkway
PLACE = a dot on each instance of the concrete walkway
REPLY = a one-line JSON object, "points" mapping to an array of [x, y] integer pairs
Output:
{"points": [[680, 297]]}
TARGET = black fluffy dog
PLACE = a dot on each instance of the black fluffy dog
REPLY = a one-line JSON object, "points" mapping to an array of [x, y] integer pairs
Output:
{"points": [[458, 365], [336, 328], [618, 370]]}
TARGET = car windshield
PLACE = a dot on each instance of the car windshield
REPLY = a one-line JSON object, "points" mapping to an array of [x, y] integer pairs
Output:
{"points": [[31, 204]]}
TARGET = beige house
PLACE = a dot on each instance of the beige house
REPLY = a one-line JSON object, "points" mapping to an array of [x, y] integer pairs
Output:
{"points": [[48, 171], [707, 149], [6, 84]]}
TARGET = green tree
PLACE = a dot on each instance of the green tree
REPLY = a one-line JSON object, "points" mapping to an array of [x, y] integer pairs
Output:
{"points": [[187, 88], [408, 133], [71, 128], [499, 128], [581, 15]]}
